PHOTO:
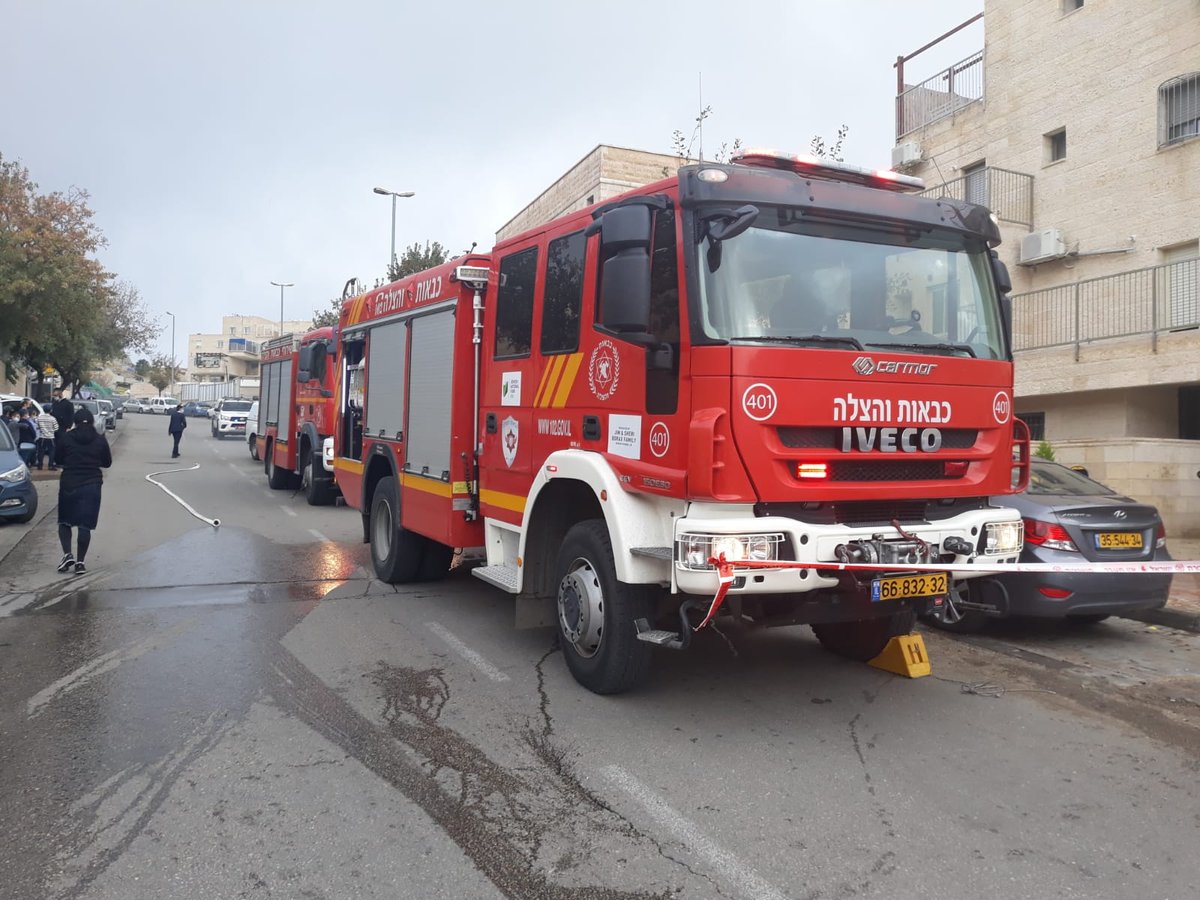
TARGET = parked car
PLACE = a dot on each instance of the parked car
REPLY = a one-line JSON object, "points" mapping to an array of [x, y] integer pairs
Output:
{"points": [[229, 417], [196, 408], [9, 402], [98, 414], [109, 411], [134, 405], [162, 406], [18, 496], [1069, 518], [252, 430]]}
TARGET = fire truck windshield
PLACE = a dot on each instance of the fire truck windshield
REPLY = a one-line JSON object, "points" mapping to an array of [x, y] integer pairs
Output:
{"points": [[797, 279]]}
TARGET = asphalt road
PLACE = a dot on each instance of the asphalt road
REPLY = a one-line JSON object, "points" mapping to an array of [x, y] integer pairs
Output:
{"points": [[242, 712]]}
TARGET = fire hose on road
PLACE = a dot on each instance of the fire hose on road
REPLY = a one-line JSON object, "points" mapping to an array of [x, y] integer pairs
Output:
{"points": [[215, 523]]}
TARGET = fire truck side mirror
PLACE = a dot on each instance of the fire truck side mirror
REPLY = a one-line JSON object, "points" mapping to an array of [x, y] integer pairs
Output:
{"points": [[1000, 272], [625, 271]]}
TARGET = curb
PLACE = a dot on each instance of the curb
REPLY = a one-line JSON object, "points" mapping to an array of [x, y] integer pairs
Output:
{"points": [[1168, 617]]}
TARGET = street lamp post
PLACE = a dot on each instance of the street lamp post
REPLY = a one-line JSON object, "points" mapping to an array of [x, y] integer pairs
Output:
{"points": [[393, 194], [172, 315], [281, 285]]}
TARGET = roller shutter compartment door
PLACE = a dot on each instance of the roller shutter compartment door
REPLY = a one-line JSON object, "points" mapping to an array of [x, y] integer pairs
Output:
{"points": [[429, 397], [386, 356]]}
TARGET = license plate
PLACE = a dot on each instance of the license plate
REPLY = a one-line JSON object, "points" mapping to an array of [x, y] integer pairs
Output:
{"points": [[908, 587], [1119, 540]]}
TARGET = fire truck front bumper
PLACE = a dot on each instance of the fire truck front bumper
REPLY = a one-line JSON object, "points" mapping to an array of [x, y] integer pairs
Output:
{"points": [[991, 534]]}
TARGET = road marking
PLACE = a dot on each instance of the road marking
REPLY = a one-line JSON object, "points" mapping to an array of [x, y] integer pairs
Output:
{"points": [[287, 509], [319, 536], [733, 870], [99, 666], [239, 470], [467, 653]]}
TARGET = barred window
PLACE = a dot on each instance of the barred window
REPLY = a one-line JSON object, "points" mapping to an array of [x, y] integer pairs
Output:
{"points": [[1179, 109]]}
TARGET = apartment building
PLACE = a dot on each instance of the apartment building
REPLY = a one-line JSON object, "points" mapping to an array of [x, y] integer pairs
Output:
{"points": [[234, 352], [1078, 123]]}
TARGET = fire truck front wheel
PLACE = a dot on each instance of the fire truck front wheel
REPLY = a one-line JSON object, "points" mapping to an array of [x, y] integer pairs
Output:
{"points": [[396, 552], [596, 613], [864, 639]]}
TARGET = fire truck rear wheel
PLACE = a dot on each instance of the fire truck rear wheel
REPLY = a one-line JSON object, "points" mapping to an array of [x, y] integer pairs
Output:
{"points": [[864, 639], [435, 563], [396, 552], [596, 613]]}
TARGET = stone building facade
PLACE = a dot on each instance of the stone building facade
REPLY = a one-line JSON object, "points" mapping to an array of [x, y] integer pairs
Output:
{"points": [[1079, 125], [234, 352], [604, 173]]}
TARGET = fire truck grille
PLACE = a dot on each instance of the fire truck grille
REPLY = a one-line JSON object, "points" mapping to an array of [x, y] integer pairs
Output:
{"points": [[875, 513], [901, 470], [804, 438]]}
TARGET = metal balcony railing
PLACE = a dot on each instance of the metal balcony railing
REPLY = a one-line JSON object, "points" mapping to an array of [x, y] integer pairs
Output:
{"points": [[941, 95], [1008, 194], [1139, 302]]}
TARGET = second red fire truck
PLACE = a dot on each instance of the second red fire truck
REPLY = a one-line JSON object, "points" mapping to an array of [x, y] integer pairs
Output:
{"points": [[296, 412], [777, 360]]}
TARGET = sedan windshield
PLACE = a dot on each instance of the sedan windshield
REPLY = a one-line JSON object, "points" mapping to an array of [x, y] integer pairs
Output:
{"points": [[793, 277], [1051, 478]]}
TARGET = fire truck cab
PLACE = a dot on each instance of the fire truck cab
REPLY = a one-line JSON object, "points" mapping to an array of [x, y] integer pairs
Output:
{"points": [[776, 360]]}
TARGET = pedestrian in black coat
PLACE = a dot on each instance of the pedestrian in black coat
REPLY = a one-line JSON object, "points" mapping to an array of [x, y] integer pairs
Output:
{"points": [[82, 452], [175, 427]]}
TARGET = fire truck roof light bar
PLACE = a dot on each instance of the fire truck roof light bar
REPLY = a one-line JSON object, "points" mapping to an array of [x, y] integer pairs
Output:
{"points": [[806, 164], [471, 274]]}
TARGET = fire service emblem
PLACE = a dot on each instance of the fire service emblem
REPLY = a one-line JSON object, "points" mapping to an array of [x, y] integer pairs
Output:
{"points": [[604, 370], [510, 437]]}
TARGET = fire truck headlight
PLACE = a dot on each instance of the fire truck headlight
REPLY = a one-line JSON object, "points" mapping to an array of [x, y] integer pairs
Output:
{"points": [[1003, 538], [695, 550]]}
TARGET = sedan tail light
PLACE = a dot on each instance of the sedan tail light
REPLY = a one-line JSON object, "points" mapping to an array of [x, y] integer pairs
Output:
{"points": [[1048, 535], [1160, 536]]}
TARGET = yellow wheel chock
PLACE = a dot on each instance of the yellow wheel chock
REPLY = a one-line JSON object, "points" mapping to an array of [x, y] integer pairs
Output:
{"points": [[904, 655]]}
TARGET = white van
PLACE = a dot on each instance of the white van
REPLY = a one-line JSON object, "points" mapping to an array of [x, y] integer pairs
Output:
{"points": [[162, 405]]}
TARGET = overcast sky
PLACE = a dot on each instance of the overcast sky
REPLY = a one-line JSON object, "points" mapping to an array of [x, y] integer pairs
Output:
{"points": [[229, 144]]}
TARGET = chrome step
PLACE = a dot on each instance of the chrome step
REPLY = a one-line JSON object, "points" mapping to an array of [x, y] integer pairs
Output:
{"points": [[663, 553], [657, 636], [503, 577]]}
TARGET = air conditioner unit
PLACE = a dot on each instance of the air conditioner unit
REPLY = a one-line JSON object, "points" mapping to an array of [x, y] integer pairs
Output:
{"points": [[906, 154], [1042, 246]]}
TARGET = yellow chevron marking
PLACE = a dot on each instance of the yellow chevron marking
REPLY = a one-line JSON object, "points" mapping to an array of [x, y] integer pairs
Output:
{"points": [[568, 380], [549, 377]]}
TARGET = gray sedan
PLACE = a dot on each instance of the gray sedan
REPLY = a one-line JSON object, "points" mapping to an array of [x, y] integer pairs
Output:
{"points": [[1069, 518]]}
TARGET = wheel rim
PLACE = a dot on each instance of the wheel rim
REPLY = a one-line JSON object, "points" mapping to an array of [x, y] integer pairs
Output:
{"points": [[949, 613], [581, 608], [306, 477], [381, 530]]}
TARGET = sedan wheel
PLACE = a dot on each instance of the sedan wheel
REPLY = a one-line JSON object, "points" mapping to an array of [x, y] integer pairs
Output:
{"points": [[951, 617]]}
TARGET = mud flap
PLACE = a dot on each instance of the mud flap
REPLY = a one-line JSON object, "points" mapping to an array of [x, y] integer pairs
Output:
{"points": [[904, 655]]}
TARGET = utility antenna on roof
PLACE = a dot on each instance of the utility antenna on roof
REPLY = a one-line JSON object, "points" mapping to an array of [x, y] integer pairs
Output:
{"points": [[700, 120]]}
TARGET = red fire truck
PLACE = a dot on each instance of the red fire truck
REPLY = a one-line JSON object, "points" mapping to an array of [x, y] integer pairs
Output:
{"points": [[776, 359], [296, 412]]}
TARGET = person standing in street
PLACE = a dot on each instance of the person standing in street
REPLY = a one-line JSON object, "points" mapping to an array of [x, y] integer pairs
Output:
{"points": [[175, 427], [47, 427], [82, 452], [63, 411]]}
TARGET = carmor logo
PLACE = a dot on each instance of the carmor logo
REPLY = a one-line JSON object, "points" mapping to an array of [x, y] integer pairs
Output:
{"points": [[865, 365]]}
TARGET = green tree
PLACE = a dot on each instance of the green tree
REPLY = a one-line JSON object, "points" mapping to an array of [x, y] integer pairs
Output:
{"points": [[832, 151], [327, 317], [415, 259], [58, 304], [141, 368], [160, 373], [1045, 450]]}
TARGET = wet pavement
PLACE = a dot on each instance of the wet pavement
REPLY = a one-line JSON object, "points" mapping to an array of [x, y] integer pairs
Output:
{"points": [[242, 712]]}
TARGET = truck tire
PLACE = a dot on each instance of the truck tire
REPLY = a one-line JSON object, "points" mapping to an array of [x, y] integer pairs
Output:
{"points": [[277, 478], [252, 440], [396, 552], [318, 487], [435, 563], [863, 639], [596, 613]]}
